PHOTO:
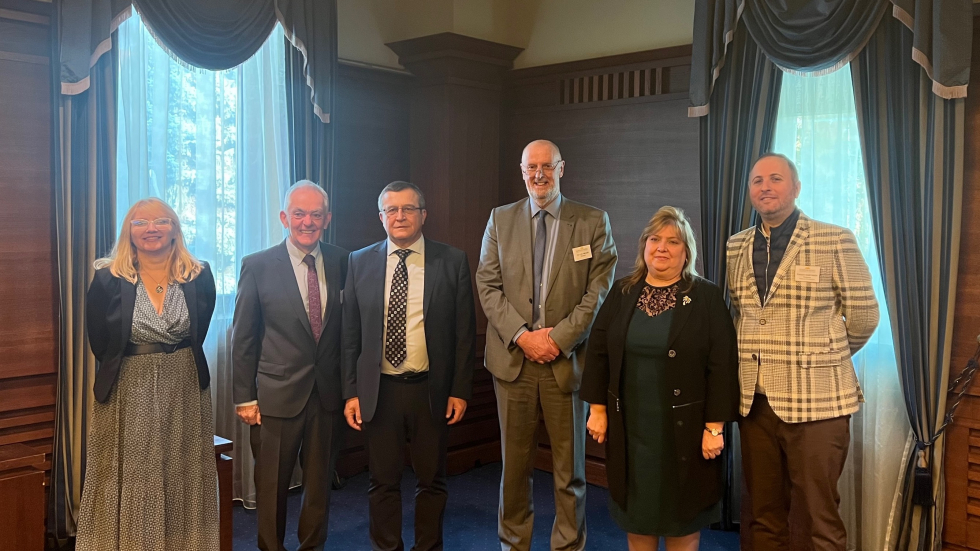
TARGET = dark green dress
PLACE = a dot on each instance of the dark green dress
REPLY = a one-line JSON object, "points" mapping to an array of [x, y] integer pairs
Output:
{"points": [[652, 488]]}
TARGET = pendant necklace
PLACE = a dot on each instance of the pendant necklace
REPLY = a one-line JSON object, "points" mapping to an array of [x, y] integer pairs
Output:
{"points": [[159, 287]]}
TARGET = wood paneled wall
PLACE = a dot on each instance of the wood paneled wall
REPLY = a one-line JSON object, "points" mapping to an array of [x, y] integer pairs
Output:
{"points": [[962, 520], [372, 148], [629, 148], [28, 269]]}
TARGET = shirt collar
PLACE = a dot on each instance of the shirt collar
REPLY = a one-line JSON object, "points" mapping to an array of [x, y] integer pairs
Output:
{"points": [[297, 256], [417, 247], [552, 208]]}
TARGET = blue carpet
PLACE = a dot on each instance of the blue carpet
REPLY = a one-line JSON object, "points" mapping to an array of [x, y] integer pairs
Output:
{"points": [[471, 516]]}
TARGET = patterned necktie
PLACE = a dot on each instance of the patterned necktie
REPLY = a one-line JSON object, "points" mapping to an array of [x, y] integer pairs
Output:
{"points": [[313, 288], [395, 347], [540, 237]]}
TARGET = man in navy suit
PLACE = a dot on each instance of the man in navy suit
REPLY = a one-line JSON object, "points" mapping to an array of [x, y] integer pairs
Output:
{"points": [[408, 356]]}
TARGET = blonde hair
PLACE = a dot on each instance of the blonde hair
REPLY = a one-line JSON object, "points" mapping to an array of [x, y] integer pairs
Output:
{"points": [[666, 216], [123, 262]]}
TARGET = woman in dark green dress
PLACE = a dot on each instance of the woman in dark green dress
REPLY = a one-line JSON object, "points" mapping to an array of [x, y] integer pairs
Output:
{"points": [[661, 377]]}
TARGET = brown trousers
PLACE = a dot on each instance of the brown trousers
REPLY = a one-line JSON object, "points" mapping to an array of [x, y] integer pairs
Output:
{"points": [[804, 460]]}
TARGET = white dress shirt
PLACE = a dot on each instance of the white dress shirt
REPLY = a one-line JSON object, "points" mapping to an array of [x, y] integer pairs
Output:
{"points": [[301, 270], [417, 359]]}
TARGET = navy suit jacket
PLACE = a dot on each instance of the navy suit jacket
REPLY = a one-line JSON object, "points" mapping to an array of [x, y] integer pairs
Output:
{"points": [[448, 314]]}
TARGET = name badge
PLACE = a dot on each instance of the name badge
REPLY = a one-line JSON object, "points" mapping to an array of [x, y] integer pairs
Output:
{"points": [[582, 253], [808, 274]]}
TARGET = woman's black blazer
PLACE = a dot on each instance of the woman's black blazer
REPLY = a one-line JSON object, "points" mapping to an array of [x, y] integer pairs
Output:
{"points": [[109, 317], [702, 375]]}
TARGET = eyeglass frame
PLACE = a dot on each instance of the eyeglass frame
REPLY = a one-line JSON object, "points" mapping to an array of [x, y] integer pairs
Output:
{"points": [[157, 222], [409, 210], [525, 171]]}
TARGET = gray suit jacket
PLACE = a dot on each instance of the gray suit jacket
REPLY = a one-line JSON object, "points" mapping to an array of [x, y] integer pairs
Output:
{"points": [[575, 289], [275, 357]]}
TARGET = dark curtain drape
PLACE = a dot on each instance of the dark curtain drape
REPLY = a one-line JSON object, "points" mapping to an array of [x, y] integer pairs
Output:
{"points": [[310, 137], [311, 26], [821, 35], [211, 34], [84, 173], [738, 128], [913, 144], [809, 36]]}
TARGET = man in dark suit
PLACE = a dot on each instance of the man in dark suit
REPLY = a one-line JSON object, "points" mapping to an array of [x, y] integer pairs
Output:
{"points": [[409, 331], [286, 357]]}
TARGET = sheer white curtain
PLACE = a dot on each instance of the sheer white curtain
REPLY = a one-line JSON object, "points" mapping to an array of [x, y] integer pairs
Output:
{"points": [[213, 145], [817, 128]]}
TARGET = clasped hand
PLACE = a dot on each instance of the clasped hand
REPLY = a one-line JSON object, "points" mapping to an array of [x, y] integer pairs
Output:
{"points": [[538, 346]]}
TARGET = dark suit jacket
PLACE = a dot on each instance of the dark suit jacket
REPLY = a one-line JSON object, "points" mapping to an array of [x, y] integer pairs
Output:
{"points": [[449, 318], [109, 320], [702, 370], [276, 359]]}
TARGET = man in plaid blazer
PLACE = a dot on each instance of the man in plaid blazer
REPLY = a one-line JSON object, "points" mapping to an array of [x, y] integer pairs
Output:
{"points": [[804, 305]]}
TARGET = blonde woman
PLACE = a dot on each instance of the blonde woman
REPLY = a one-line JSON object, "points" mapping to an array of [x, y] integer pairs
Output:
{"points": [[150, 476], [661, 379]]}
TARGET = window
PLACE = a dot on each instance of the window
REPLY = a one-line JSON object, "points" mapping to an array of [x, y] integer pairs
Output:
{"points": [[817, 128], [212, 144]]}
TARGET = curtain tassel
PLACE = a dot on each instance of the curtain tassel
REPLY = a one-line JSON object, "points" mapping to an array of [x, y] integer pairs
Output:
{"points": [[922, 477]]}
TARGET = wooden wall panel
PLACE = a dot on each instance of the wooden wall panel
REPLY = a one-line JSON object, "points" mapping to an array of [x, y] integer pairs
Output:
{"points": [[962, 518], [372, 149], [28, 270]]}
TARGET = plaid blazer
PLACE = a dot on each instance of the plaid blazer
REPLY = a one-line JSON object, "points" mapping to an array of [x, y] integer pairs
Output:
{"points": [[804, 334]]}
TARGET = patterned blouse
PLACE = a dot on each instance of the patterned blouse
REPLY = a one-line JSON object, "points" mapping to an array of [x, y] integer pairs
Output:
{"points": [[657, 300]]}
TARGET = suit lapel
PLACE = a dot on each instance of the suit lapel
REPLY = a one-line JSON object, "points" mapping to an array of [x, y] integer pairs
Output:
{"points": [[617, 333], [332, 274], [432, 269], [127, 301], [748, 267], [380, 268], [288, 274], [190, 297], [524, 238], [682, 311], [792, 251], [565, 225]]}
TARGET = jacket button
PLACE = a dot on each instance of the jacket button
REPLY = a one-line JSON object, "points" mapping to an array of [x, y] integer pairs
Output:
{"points": [[762, 321], [755, 356], [680, 423], [677, 392], [671, 353], [683, 458]]}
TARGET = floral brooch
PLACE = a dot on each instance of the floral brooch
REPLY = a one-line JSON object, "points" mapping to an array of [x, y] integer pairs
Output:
{"points": [[686, 300]]}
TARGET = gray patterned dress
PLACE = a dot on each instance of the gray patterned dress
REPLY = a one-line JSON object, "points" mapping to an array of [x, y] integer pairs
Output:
{"points": [[150, 481]]}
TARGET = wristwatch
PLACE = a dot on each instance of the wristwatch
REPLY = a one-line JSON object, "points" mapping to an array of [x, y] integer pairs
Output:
{"points": [[714, 432]]}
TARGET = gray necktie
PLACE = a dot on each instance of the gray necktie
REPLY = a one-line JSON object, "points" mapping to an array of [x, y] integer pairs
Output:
{"points": [[540, 240], [396, 349]]}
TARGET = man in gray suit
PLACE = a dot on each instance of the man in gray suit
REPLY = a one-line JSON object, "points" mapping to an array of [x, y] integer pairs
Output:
{"points": [[286, 361], [545, 267]]}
